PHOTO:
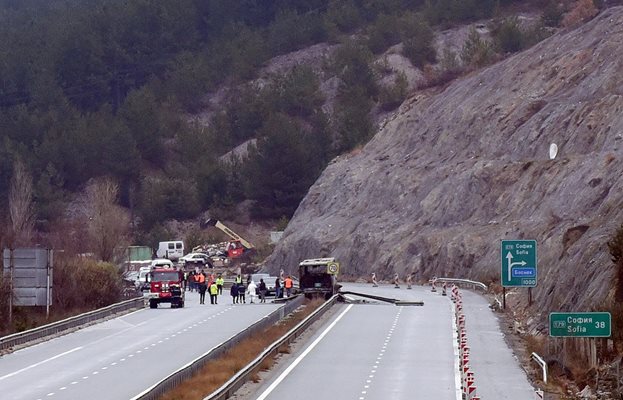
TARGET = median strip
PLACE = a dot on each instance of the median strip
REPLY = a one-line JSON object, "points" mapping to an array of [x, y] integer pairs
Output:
{"points": [[219, 370]]}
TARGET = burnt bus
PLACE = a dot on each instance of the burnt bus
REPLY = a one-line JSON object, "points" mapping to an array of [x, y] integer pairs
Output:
{"points": [[318, 277]]}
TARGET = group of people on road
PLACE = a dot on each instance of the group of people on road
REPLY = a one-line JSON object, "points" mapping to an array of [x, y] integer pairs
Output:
{"points": [[238, 291], [202, 283]]}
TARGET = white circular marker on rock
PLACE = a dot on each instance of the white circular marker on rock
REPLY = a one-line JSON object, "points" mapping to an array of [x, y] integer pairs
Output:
{"points": [[553, 151]]}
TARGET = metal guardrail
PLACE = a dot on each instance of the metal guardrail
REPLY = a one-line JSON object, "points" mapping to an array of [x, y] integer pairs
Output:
{"points": [[535, 357], [474, 284], [69, 323], [233, 384], [190, 369], [384, 299]]}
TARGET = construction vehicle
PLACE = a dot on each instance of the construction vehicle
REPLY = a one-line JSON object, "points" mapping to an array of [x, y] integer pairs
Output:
{"points": [[165, 286], [318, 277], [237, 246]]}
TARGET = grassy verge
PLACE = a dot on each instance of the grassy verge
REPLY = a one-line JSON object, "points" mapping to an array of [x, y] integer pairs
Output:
{"points": [[218, 371]]}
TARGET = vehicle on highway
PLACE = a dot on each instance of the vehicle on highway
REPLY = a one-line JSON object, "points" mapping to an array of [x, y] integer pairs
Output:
{"points": [[237, 246], [143, 279], [318, 277], [165, 286], [172, 250], [192, 260]]}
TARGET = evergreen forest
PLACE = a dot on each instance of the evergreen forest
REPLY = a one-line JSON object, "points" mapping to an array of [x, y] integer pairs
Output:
{"points": [[104, 89]]}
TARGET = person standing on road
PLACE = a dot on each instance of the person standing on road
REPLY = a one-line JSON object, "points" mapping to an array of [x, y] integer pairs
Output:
{"points": [[396, 281], [213, 293], [374, 282], [251, 289], [263, 290], [219, 283], [278, 288], [191, 281], [200, 281], [409, 280], [234, 293], [288, 284], [241, 293]]}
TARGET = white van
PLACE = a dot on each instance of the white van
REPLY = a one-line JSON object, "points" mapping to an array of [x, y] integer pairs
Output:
{"points": [[172, 250]]}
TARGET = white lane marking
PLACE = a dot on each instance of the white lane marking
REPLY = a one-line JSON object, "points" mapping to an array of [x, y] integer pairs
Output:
{"points": [[303, 355], [368, 383], [39, 363], [455, 347], [74, 383]]}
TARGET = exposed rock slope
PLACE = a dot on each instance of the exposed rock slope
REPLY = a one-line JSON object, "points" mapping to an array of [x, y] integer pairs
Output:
{"points": [[456, 171]]}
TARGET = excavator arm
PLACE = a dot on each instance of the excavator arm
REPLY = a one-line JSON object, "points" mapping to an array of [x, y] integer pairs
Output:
{"points": [[217, 224]]}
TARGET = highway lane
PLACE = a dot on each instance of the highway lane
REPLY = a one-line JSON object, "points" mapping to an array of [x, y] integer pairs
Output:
{"points": [[497, 372], [375, 351], [120, 358]]}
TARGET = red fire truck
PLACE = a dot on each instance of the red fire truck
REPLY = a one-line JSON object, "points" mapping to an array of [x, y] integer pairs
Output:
{"points": [[165, 286]]}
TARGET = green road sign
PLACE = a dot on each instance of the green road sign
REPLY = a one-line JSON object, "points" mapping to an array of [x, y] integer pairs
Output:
{"points": [[586, 324], [518, 263]]}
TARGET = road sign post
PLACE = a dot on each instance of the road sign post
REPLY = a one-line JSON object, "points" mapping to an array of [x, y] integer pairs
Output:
{"points": [[581, 324], [518, 263]]}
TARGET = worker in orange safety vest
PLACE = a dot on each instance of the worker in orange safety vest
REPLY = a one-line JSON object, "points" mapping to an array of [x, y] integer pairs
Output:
{"points": [[288, 284]]}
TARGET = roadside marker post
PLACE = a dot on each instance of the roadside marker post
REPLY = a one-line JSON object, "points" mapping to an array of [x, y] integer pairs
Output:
{"points": [[471, 392]]}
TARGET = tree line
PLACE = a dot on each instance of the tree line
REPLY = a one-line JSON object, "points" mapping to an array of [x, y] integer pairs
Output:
{"points": [[92, 88]]}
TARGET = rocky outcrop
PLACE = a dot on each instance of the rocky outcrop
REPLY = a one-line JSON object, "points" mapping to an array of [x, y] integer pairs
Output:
{"points": [[455, 171]]}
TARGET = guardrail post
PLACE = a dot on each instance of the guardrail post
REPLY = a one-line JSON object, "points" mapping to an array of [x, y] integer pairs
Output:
{"points": [[543, 365]]}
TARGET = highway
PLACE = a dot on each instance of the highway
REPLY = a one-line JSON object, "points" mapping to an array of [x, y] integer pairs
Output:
{"points": [[379, 351], [120, 358], [367, 351]]}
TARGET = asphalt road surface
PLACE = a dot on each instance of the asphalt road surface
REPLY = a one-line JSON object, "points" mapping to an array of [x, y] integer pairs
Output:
{"points": [[122, 357], [377, 351]]}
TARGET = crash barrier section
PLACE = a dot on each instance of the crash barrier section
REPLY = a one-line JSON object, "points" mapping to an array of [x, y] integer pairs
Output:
{"points": [[381, 298], [468, 380], [69, 323], [459, 282], [190, 369], [536, 358]]}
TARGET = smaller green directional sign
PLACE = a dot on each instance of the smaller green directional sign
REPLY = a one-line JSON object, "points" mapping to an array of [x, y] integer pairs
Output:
{"points": [[584, 324], [518, 262]]}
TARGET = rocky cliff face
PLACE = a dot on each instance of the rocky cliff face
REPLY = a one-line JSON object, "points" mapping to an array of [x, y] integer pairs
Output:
{"points": [[456, 171]]}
